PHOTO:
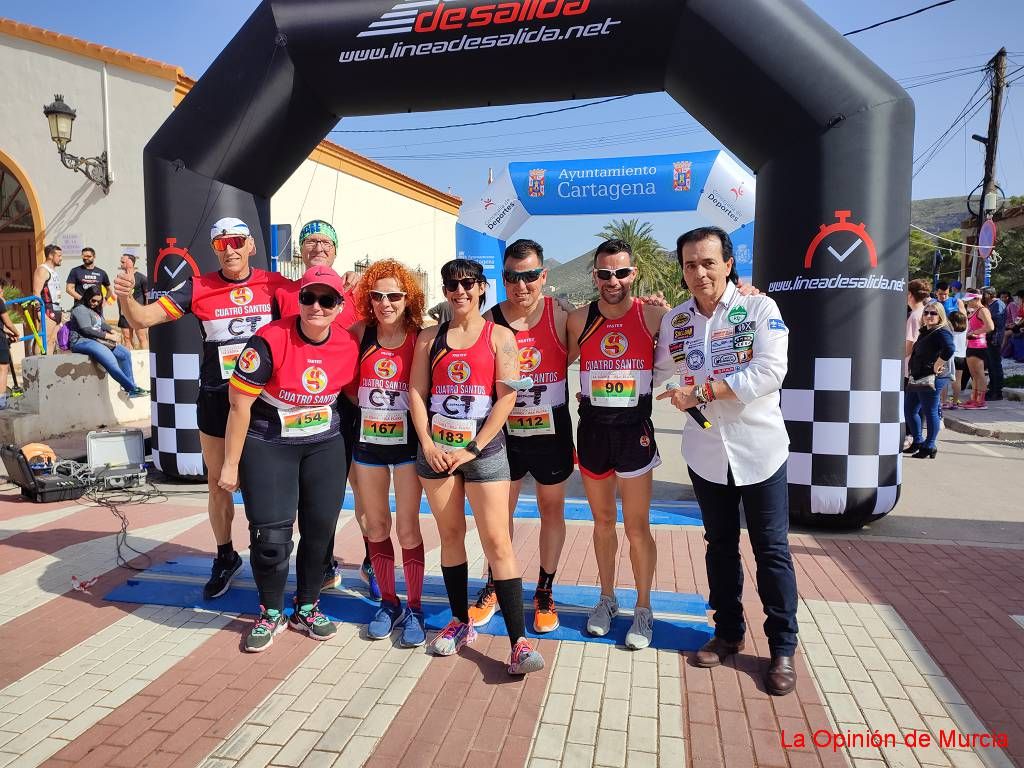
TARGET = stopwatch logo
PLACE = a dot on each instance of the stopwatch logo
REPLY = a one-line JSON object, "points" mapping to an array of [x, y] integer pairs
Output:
{"points": [[828, 232], [170, 263]]}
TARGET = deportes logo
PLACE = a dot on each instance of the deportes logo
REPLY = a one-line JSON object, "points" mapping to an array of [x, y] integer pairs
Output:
{"points": [[241, 296], [614, 344], [385, 368], [249, 361], [314, 380], [529, 359], [737, 191], [459, 371], [487, 203], [682, 176], [453, 15], [536, 184]]}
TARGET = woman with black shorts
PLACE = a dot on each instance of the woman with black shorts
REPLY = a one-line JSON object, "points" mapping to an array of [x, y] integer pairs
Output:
{"points": [[390, 299], [459, 402], [284, 446]]}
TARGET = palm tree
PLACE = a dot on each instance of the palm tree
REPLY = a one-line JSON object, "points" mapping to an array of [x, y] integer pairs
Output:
{"points": [[657, 270]]}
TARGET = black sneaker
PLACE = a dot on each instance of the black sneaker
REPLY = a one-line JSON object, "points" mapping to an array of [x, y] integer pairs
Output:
{"points": [[222, 573]]}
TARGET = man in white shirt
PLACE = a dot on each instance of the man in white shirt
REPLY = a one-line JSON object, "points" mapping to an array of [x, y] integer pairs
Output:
{"points": [[729, 353]]}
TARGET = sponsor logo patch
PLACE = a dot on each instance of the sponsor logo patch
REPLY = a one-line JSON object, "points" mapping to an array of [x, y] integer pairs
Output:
{"points": [[721, 345], [683, 333], [695, 360], [683, 318], [728, 358], [743, 341], [745, 327], [614, 344], [722, 333], [737, 315], [775, 324], [249, 361]]}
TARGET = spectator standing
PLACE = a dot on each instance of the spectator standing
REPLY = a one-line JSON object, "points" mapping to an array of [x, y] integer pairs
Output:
{"points": [[918, 292], [1013, 316], [9, 334], [994, 342], [48, 285], [950, 303], [141, 295], [88, 276], [979, 323], [958, 324], [93, 337], [929, 374]]}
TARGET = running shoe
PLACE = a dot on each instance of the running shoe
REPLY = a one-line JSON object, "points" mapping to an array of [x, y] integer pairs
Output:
{"points": [[600, 619], [221, 574], [524, 659], [261, 636], [388, 616], [413, 634], [307, 618], [332, 576], [454, 637], [485, 606], [545, 617], [370, 580], [138, 392], [642, 631]]}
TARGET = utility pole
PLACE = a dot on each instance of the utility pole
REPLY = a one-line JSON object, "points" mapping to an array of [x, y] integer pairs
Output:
{"points": [[988, 186]]}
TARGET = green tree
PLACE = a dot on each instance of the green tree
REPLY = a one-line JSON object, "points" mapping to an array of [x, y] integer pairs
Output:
{"points": [[658, 271], [922, 252], [1009, 274]]}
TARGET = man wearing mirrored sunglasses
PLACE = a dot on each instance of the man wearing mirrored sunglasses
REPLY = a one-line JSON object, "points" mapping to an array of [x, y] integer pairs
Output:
{"points": [[539, 429], [614, 339], [231, 304]]}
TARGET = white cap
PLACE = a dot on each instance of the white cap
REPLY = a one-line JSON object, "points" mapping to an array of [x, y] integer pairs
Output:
{"points": [[228, 226]]}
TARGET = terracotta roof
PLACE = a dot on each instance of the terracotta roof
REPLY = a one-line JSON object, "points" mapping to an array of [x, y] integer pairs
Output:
{"points": [[89, 50]]}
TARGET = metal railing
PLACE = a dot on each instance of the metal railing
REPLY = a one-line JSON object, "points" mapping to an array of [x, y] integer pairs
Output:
{"points": [[39, 334]]}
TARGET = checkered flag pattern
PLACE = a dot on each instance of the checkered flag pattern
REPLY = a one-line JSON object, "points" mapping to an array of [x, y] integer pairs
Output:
{"points": [[845, 438], [175, 388]]}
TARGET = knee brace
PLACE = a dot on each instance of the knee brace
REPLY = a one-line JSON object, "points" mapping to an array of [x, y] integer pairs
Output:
{"points": [[269, 547]]}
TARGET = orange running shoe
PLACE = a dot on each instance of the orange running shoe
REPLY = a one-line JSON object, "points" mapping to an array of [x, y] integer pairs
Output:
{"points": [[485, 606], [545, 617]]}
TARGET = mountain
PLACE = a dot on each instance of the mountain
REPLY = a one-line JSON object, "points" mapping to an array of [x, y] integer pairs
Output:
{"points": [[939, 214], [572, 279]]}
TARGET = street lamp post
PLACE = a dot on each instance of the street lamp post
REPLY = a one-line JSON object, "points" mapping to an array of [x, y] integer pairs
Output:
{"points": [[61, 117]]}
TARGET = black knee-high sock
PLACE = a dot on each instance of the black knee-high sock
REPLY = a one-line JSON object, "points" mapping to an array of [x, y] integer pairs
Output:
{"points": [[456, 584], [545, 580], [510, 600], [490, 577]]}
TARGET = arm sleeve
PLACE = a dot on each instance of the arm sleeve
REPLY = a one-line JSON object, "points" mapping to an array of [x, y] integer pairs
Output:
{"points": [[664, 366], [85, 322], [254, 368], [767, 368], [177, 301]]}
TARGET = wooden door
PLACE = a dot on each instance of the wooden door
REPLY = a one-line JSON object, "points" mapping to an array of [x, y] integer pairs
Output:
{"points": [[17, 260]]}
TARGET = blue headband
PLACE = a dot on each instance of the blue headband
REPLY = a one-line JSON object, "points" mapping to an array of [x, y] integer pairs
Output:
{"points": [[318, 227]]}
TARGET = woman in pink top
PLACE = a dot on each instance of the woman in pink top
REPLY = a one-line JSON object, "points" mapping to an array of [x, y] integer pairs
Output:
{"points": [[979, 322]]}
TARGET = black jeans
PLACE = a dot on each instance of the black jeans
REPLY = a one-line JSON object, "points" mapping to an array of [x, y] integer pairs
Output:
{"points": [[766, 507], [995, 368]]}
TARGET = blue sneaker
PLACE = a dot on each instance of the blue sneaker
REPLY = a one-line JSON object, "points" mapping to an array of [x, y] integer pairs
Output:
{"points": [[413, 634], [368, 577], [389, 616]]}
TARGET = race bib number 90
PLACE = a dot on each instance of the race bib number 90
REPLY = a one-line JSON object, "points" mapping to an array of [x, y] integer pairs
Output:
{"points": [[383, 427], [305, 422], [614, 389], [452, 434]]}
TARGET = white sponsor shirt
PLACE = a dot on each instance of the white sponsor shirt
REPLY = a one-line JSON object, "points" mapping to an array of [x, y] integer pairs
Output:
{"points": [[744, 343]]}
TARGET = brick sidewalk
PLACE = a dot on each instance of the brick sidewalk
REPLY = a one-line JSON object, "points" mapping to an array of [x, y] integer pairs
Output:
{"points": [[896, 638]]}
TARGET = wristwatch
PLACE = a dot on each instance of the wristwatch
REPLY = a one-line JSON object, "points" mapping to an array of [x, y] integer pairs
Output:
{"points": [[472, 447]]}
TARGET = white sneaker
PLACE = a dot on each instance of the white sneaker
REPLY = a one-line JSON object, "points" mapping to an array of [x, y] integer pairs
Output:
{"points": [[600, 619], [642, 631]]}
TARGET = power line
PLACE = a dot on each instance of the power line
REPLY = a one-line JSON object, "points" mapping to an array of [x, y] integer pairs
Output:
{"points": [[485, 122], [940, 237], [897, 18]]}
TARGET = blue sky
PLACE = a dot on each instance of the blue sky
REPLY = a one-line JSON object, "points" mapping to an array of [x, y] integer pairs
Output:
{"points": [[966, 33]]}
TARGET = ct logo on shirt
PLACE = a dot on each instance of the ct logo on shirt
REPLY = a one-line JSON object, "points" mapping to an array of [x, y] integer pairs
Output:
{"points": [[614, 344], [249, 361], [385, 368], [529, 359], [314, 380], [459, 371], [241, 296]]}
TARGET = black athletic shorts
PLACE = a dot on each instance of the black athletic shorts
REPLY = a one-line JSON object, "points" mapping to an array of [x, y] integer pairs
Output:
{"points": [[628, 450], [349, 415], [5, 356], [122, 322], [373, 455], [212, 412], [982, 353]]}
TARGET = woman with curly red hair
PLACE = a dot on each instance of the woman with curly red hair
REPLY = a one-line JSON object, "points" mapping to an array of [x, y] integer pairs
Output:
{"points": [[391, 303]]}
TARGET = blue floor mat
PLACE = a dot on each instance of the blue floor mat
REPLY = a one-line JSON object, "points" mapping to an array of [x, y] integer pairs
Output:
{"points": [[680, 619]]}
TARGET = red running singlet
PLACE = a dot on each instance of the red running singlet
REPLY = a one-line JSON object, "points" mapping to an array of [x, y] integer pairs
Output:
{"points": [[616, 367]]}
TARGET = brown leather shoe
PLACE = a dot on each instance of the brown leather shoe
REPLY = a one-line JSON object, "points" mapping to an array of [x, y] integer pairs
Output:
{"points": [[715, 651], [781, 676]]}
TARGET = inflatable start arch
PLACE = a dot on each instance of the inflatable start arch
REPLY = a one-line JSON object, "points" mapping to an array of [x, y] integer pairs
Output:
{"points": [[829, 135]]}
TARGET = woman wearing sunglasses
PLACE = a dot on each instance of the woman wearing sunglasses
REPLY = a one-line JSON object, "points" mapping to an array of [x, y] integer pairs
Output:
{"points": [[929, 370], [390, 299], [459, 402], [285, 447]]}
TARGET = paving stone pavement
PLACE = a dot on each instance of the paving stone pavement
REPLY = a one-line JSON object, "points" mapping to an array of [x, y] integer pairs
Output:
{"points": [[898, 638]]}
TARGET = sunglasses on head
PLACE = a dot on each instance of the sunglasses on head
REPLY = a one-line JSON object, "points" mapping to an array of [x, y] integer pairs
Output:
{"points": [[606, 274], [325, 300], [529, 276], [393, 296], [467, 284], [221, 244]]}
